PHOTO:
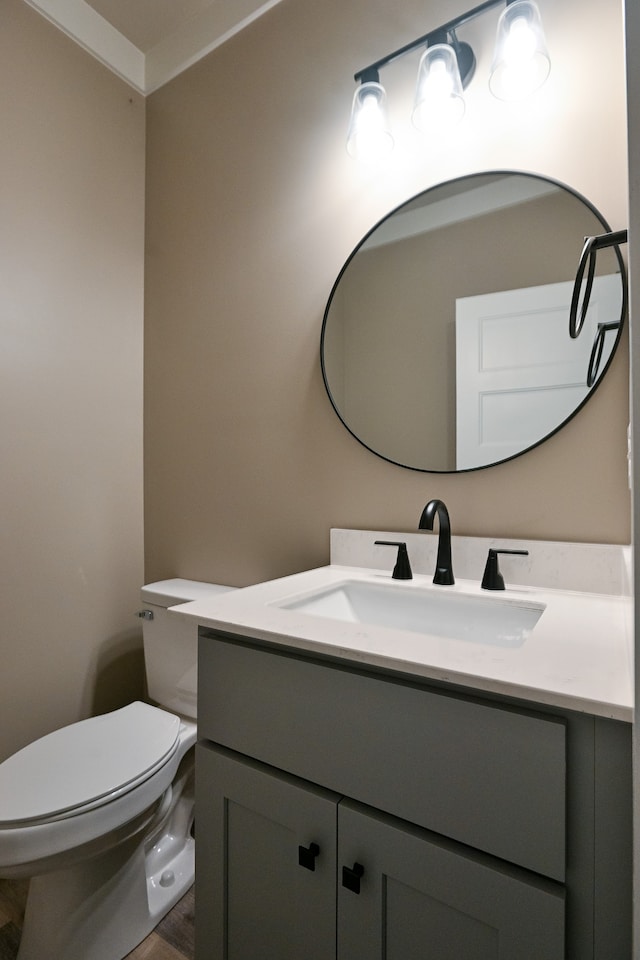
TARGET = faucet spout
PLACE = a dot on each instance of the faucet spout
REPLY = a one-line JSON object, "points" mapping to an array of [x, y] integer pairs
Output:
{"points": [[444, 568]]}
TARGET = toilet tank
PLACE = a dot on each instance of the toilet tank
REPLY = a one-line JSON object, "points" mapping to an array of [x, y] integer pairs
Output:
{"points": [[171, 643]]}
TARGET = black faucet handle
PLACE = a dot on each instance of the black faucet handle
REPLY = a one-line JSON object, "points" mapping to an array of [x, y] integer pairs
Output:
{"points": [[402, 569], [492, 578]]}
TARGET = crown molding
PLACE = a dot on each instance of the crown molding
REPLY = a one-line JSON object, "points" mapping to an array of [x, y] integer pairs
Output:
{"points": [[193, 40]]}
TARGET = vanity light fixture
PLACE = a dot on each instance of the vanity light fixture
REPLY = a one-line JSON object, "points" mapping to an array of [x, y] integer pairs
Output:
{"points": [[520, 65]]}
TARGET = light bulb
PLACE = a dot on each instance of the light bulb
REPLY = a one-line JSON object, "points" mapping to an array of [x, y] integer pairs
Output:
{"points": [[369, 138], [520, 43], [521, 62], [439, 102]]}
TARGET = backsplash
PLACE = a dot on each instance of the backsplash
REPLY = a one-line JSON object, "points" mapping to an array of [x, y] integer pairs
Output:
{"points": [[584, 567]]}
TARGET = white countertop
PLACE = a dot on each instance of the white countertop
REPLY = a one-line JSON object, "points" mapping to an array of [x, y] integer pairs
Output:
{"points": [[579, 655]]}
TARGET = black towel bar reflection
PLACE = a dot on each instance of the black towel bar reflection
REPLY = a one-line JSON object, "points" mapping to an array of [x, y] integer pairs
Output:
{"points": [[585, 274], [596, 350]]}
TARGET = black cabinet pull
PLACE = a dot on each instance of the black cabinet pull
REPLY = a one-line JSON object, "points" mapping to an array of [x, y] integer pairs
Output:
{"points": [[307, 856], [351, 877]]}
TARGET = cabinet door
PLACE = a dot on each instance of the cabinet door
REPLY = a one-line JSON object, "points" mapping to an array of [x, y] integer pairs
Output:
{"points": [[421, 897], [254, 899]]}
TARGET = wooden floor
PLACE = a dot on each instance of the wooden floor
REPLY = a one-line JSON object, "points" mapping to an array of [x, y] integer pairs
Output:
{"points": [[171, 940]]}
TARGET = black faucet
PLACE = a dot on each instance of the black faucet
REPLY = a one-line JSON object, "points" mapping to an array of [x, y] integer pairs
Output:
{"points": [[444, 567]]}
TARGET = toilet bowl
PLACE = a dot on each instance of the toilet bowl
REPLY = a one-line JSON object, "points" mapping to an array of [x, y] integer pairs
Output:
{"points": [[99, 814]]}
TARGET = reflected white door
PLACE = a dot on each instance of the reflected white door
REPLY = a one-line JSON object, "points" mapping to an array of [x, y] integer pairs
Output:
{"points": [[518, 373]]}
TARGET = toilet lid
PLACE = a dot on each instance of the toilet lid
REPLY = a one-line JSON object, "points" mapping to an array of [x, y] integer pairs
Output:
{"points": [[86, 764]]}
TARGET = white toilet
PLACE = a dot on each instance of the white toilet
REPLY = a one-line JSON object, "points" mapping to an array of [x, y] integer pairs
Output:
{"points": [[99, 814]]}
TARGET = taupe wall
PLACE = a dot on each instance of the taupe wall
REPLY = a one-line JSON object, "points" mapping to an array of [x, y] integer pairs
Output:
{"points": [[252, 208], [71, 268]]}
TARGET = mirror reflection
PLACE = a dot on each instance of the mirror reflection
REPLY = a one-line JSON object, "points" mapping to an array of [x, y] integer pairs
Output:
{"points": [[445, 342]]}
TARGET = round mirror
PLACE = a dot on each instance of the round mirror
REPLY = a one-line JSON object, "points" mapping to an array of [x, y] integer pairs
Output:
{"points": [[445, 342]]}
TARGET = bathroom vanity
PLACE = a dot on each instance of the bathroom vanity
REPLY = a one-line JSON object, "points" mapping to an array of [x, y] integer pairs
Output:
{"points": [[355, 803]]}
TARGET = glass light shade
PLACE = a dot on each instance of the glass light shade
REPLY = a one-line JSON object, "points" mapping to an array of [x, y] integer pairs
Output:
{"points": [[439, 101], [521, 61], [369, 138]]}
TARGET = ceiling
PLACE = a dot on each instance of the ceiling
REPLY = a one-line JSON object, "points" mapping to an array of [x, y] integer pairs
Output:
{"points": [[147, 42]]}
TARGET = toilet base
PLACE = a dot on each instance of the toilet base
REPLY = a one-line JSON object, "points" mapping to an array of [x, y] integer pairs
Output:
{"points": [[102, 908]]}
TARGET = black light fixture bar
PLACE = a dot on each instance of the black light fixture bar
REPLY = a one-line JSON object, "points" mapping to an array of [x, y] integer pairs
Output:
{"points": [[439, 35]]}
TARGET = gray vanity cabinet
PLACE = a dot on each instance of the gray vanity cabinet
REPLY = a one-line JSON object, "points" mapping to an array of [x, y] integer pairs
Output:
{"points": [[348, 814], [274, 852], [256, 900], [420, 897]]}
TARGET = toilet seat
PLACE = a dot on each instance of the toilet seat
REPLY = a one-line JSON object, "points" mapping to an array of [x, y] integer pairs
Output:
{"points": [[86, 764]]}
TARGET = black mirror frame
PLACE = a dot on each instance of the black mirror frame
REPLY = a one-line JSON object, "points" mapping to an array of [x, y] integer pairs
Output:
{"points": [[592, 388]]}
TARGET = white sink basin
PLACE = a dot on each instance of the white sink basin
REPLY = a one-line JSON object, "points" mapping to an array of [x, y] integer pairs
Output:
{"points": [[435, 611]]}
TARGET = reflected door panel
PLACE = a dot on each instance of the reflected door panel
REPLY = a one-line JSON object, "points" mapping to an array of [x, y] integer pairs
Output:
{"points": [[518, 372]]}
